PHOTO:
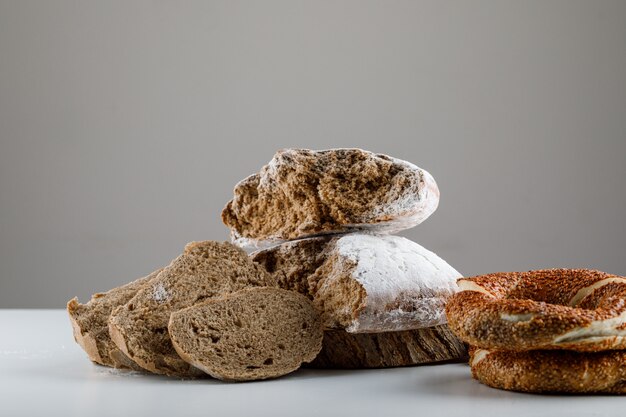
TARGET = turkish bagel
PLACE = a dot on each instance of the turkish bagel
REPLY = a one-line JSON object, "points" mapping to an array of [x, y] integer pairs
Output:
{"points": [[551, 370], [574, 309]]}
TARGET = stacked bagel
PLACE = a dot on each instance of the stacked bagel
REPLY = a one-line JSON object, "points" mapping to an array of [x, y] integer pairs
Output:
{"points": [[555, 330], [322, 224]]}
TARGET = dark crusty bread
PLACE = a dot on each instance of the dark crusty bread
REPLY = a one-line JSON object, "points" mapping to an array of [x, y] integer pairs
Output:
{"points": [[204, 270], [365, 283], [301, 193], [90, 323], [293, 264], [345, 350], [256, 333]]}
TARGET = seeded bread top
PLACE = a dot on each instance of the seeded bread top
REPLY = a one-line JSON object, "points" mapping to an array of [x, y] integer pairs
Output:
{"points": [[571, 309], [550, 371]]}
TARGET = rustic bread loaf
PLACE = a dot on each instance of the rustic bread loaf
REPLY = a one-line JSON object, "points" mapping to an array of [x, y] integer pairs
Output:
{"points": [[303, 193], [204, 270], [293, 264], [365, 283], [256, 333], [344, 350], [90, 323]]}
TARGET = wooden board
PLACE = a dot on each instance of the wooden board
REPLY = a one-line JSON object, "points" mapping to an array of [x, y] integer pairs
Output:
{"points": [[390, 349]]}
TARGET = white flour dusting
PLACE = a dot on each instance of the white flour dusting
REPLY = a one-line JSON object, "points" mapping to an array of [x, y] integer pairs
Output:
{"points": [[415, 204], [406, 284], [159, 293]]}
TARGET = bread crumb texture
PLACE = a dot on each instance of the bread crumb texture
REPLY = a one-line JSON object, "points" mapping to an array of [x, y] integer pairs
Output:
{"points": [[302, 192], [252, 334], [204, 270], [90, 323]]}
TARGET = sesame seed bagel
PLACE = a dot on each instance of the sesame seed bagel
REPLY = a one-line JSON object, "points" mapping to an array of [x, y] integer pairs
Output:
{"points": [[573, 309], [551, 371]]}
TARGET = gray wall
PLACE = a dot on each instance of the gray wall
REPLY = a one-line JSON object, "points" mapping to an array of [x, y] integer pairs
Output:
{"points": [[125, 125]]}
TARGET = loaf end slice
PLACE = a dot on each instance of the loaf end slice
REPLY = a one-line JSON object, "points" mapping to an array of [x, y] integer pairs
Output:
{"points": [[253, 334], [204, 270], [90, 323]]}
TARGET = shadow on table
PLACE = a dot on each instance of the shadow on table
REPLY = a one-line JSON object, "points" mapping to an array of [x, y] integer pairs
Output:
{"points": [[68, 369], [454, 380]]}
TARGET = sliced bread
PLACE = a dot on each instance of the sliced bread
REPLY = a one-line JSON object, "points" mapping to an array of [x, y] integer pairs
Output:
{"points": [[252, 334], [301, 193], [365, 283], [204, 270], [90, 323]]}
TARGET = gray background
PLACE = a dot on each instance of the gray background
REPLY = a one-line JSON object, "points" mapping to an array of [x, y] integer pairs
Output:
{"points": [[125, 125]]}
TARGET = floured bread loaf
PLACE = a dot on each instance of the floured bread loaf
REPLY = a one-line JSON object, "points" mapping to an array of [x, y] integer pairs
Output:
{"points": [[90, 323], [204, 270], [365, 283], [256, 333], [303, 193], [345, 350]]}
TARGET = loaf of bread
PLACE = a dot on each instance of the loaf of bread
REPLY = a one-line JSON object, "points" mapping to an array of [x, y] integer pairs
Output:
{"points": [[365, 283], [256, 333], [293, 264], [331, 279], [303, 193], [90, 323], [344, 350], [204, 270]]}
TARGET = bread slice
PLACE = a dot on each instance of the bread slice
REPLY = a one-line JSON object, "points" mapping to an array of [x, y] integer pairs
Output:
{"points": [[301, 193], [256, 333], [365, 283], [345, 350], [90, 323], [204, 270]]}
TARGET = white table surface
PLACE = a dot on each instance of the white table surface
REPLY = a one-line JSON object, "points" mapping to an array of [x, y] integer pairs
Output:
{"points": [[44, 373]]}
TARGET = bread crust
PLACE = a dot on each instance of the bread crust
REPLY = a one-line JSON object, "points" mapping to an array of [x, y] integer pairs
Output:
{"points": [[118, 338], [572, 309], [90, 323], [85, 340], [542, 371], [365, 283]]}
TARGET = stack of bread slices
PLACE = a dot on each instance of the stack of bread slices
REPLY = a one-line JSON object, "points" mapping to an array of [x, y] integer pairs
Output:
{"points": [[328, 284]]}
